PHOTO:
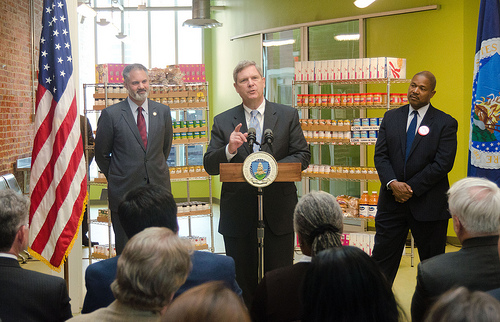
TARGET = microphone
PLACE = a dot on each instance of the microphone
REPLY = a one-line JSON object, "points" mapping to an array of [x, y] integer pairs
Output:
{"points": [[268, 136], [251, 137]]}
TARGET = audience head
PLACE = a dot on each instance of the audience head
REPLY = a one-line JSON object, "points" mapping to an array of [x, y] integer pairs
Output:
{"points": [[345, 284], [148, 206], [318, 222], [461, 305], [474, 204], [208, 302], [152, 267], [14, 218]]}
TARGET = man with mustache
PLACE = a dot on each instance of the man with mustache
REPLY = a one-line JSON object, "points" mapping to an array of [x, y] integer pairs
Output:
{"points": [[415, 150], [132, 144]]}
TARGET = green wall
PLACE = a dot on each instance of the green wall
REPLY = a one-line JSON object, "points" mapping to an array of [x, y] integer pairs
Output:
{"points": [[441, 41]]}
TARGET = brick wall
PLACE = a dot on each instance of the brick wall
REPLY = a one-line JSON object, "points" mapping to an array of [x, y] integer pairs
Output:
{"points": [[16, 105]]}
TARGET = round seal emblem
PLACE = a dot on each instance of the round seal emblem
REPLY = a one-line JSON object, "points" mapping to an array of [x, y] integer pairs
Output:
{"points": [[260, 169]]}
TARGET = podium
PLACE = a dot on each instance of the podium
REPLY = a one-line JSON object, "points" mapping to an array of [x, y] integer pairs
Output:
{"points": [[286, 172]]}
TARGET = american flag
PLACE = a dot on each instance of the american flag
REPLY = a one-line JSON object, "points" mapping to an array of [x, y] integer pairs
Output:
{"points": [[58, 172]]}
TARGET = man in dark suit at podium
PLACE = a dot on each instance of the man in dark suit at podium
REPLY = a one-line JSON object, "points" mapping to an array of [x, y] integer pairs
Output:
{"points": [[238, 205]]}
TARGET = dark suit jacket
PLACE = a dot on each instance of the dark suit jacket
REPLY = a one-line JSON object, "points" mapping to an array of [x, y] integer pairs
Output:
{"points": [[278, 296], [89, 135], [495, 293], [431, 158], [475, 266], [238, 205], [206, 267], [31, 296], [120, 152]]}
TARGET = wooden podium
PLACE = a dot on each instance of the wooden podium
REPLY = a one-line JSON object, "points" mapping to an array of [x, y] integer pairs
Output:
{"points": [[287, 172]]}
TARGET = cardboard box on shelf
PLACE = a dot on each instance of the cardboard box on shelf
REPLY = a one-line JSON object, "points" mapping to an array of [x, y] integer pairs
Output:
{"points": [[109, 73]]}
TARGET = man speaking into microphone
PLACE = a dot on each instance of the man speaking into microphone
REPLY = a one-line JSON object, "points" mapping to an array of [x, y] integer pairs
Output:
{"points": [[229, 142]]}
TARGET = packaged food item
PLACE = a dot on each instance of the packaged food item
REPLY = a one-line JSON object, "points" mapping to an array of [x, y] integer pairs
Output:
{"points": [[372, 204], [363, 204]]}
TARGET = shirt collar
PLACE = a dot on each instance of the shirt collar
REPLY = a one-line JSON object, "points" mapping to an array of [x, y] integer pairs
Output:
{"points": [[134, 106], [7, 255], [261, 108], [421, 111]]}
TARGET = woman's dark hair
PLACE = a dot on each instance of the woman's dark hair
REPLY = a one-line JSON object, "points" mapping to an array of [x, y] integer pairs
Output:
{"points": [[345, 284]]}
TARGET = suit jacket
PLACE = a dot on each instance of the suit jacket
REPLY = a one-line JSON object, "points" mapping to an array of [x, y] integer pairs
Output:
{"points": [[31, 296], [431, 158], [118, 312], [205, 267], [278, 296], [495, 293], [475, 266], [89, 135], [238, 205], [120, 152]]}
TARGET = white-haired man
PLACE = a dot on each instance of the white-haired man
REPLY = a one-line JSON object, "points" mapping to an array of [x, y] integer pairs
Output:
{"points": [[474, 206]]}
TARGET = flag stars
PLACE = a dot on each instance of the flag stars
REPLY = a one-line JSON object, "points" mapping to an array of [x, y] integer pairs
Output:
{"points": [[48, 10], [44, 53], [70, 59], [62, 18], [66, 45], [65, 32], [56, 33], [42, 40], [57, 46], [59, 4], [54, 19], [46, 67], [60, 60], [62, 73], [48, 80]]}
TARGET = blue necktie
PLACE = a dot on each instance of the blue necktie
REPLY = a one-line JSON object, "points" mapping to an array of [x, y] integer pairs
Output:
{"points": [[410, 134], [254, 122]]}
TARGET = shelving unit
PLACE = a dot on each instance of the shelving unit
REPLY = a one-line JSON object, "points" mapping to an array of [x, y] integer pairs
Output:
{"points": [[180, 99], [360, 174]]}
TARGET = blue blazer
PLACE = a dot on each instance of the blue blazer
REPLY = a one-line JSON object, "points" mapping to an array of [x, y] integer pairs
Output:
{"points": [[206, 267]]}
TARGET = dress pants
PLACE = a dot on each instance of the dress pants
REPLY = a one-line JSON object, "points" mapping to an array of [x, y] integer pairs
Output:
{"points": [[391, 234], [278, 252], [120, 236]]}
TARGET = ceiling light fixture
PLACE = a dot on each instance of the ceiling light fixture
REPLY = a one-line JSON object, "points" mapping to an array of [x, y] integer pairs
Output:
{"points": [[363, 3], [347, 37], [121, 35], [274, 43], [201, 16], [102, 22]]}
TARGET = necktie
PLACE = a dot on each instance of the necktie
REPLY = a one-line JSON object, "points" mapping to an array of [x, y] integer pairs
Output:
{"points": [[410, 134], [254, 122], [141, 124]]}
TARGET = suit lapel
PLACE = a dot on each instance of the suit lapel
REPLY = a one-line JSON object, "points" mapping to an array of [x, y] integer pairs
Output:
{"points": [[270, 120], [154, 126], [130, 119], [426, 121], [401, 130]]}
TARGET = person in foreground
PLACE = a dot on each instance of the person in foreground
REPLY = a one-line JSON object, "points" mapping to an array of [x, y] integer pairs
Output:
{"points": [[318, 223], [461, 305], [132, 143], [25, 295], [238, 204], [153, 265], [153, 206], [414, 152], [474, 205], [208, 302], [345, 284]]}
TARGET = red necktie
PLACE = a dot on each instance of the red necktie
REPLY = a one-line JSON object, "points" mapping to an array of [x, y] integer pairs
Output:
{"points": [[141, 124]]}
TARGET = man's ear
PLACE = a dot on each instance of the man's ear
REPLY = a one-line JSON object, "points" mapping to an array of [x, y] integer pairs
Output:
{"points": [[457, 225]]}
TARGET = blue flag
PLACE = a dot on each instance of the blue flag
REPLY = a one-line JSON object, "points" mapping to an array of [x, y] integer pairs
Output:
{"points": [[484, 139]]}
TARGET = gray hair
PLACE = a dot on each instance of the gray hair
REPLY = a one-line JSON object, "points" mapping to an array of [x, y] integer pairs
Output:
{"points": [[152, 267], [244, 64], [129, 68], [318, 218], [460, 304], [476, 203], [14, 209]]}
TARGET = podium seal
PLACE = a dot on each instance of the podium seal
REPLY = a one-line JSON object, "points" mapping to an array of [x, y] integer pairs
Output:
{"points": [[260, 169]]}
